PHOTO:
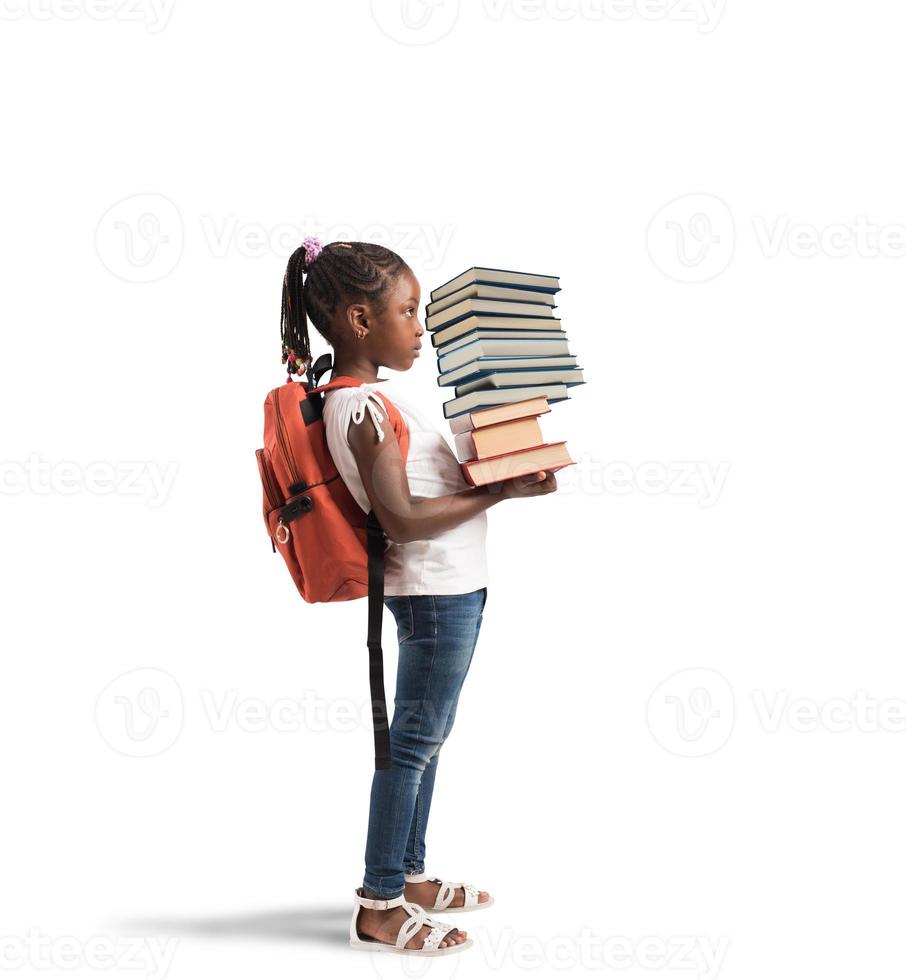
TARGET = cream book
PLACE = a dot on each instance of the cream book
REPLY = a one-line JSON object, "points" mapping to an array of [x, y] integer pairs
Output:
{"points": [[527, 408], [497, 277], [480, 290], [538, 325], [488, 307]]}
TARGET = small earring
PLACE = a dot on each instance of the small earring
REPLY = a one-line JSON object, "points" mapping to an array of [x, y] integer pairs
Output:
{"points": [[360, 335]]}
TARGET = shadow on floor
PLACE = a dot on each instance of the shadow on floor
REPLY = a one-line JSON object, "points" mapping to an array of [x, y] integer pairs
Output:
{"points": [[328, 926]]}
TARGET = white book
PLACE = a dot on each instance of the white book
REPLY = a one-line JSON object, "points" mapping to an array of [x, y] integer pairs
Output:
{"points": [[469, 350], [485, 365], [507, 335], [498, 277]]}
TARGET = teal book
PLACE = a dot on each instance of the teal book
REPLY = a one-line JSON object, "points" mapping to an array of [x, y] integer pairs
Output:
{"points": [[482, 367], [476, 400]]}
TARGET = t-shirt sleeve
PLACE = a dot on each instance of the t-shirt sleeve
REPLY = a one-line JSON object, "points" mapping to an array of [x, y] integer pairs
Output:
{"points": [[341, 405], [366, 399]]}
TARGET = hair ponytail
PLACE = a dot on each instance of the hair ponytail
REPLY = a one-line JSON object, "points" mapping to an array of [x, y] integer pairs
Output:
{"points": [[293, 324]]}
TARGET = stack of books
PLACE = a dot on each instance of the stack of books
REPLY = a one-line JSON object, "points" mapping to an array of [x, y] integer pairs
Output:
{"points": [[505, 355]]}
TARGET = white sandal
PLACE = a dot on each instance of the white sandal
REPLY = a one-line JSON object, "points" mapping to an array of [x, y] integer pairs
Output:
{"points": [[418, 917], [447, 893]]}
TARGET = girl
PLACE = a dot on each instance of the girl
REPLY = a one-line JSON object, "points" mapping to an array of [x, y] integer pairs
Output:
{"points": [[363, 299]]}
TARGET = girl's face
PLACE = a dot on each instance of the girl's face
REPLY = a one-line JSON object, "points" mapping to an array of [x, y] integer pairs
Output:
{"points": [[397, 338]]}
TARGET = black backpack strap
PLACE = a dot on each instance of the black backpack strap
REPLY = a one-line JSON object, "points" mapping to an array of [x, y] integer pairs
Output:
{"points": [[322, 364], [375, 651]]}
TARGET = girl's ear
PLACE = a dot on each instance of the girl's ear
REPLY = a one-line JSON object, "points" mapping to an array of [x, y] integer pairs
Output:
{"points": [[357, 317]]}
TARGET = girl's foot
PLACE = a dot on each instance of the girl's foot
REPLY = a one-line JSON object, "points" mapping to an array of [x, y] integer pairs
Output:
{"points": [[425, 893], [384, 925]]}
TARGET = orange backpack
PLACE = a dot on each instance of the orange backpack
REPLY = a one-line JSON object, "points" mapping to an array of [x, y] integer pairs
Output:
{"points": [[334, 550]]}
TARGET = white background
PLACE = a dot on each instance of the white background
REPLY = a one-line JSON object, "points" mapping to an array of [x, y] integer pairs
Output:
{"points": [[683, 726]]}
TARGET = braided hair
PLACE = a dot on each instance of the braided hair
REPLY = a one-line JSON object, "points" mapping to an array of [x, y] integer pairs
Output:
{"points": [[317, 282]]}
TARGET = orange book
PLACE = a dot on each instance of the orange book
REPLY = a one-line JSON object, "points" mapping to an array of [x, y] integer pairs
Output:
{"points": [[550, 456], [495, 440]]}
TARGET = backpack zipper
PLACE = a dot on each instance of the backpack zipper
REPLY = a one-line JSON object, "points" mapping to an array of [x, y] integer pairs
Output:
{"points": [[271, 490], [284, 441]]}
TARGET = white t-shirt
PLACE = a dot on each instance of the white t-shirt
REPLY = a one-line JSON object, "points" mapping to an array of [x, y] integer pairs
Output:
{"points": [[450, 563]]}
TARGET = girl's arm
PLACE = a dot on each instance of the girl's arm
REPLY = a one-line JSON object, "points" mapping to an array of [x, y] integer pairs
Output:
{"points": [[405, 518]]}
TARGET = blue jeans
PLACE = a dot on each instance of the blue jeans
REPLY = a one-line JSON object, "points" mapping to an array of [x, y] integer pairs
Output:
{"points": [[437, 636]]}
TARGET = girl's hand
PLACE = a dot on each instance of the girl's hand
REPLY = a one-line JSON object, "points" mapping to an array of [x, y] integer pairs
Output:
{"points": [[528, 485]]}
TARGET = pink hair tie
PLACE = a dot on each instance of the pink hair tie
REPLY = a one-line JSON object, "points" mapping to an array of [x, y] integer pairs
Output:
{"points": [[313, 247]]}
